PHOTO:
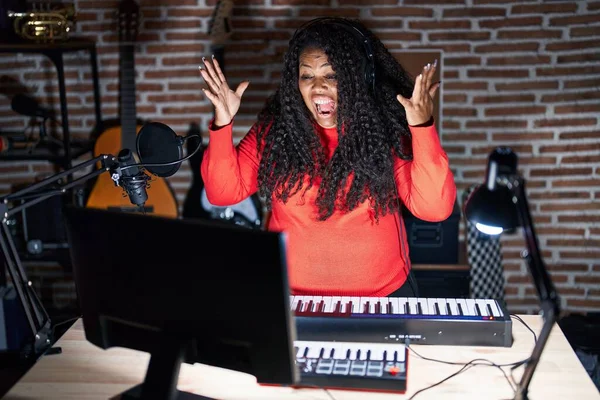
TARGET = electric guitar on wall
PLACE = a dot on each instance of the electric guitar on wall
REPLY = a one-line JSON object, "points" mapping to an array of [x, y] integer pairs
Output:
{"points": [[161, 198], [247, 212]]}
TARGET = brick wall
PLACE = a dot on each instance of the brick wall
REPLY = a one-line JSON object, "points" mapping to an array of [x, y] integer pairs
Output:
{"points": [[520, 73]]}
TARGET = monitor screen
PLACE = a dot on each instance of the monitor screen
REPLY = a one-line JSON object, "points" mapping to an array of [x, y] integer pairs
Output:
{"points": [[200, 291]]}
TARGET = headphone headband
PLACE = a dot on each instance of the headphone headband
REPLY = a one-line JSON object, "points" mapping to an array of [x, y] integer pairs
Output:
{"points": [[357, 31]]}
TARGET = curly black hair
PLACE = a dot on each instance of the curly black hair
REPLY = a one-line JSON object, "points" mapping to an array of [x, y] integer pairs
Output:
{"points": [[374, 126]]}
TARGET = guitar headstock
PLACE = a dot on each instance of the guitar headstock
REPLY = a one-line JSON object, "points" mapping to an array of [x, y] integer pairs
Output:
{"points": [[219, 27], [128, 21]]}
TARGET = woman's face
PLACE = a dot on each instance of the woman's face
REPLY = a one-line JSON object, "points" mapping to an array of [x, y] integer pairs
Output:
{"points": [[318, 86]]}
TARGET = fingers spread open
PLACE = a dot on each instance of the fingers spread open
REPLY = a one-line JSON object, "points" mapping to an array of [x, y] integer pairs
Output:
{"points": [[209, 80], [211, 71], [219, 72]]}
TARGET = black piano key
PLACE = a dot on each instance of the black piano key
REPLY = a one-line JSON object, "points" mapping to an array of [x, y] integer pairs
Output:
{"points": [[309, 307], [378, 308], [321, 306], [489, 310], [367, 306], [299, 306], [389, 308], [338, 307], [406, 310], [419, 309], [436, 309], [477, 310], [448, 310], [460, 309]]}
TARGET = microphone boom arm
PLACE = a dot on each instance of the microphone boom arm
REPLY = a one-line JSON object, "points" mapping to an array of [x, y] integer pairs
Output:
{"points": [[38, 319]]}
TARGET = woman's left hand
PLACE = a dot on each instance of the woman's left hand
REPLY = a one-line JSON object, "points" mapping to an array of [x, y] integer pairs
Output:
{"points": [[419, 107]]}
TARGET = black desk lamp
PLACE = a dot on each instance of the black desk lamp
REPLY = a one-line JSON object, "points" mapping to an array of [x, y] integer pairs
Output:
{"points": [[499, 205]]}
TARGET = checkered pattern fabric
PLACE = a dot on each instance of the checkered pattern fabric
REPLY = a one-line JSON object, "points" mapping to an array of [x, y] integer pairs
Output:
{"points": [[484, 255]]}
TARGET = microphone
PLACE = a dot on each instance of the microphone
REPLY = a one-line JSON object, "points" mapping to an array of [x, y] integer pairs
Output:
{"points": [[28, 106], [131, 178], [160, 149]]}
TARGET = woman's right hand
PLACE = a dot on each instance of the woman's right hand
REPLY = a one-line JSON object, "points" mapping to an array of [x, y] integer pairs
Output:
{"points": [[226, 101]]}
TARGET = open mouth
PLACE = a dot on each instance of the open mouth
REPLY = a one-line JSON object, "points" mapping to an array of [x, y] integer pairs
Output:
{"points": [[325, 107]]}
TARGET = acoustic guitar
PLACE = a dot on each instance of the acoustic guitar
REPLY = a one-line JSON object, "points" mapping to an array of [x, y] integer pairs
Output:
{"points": [[161, 198]]}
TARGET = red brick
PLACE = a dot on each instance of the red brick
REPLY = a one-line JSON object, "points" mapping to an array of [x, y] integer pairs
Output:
{"points": [[568, 71], [402, 12], [577, 108], [581, 83], [581, 159], [527, 34], [474, 12], [501, 111], [558, 8], [583, 31], [443, 24], [470, 36], [519, 136], [565, 122], [575, 20], [520, 86], [512, 47], [511, 21], [563, 97], [497, 124], [569, 148], [578, 58]]}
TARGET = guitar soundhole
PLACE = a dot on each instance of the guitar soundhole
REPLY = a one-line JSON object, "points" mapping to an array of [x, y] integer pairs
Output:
{"points": [[147, 209]]}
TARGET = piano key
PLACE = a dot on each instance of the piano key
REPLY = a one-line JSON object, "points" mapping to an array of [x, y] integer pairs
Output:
{"points": [[421, 305], [356, 305], [412, 305], [327, 304], [471, 307], [395, 306], [496, 312], [314, 351], [462, 307], [453, 306], [431, 307], [442, 306], [482, 307]]}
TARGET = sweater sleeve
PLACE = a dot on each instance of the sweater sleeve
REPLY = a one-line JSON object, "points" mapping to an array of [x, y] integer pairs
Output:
{"points": [[426, 184], [229, 172]]}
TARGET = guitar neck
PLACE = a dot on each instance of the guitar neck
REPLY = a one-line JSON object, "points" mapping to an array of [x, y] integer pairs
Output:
{"points": [[128, 97]]}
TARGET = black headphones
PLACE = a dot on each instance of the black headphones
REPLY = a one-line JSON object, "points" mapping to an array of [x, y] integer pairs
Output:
{"points": [[358, 32]]}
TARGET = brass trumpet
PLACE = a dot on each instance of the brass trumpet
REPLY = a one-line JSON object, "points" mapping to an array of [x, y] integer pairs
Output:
{"points": [[48, 23]]}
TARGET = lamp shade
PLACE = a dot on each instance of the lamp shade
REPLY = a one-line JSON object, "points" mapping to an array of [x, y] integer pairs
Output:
{"points": [[490, 206], [492, 211]]}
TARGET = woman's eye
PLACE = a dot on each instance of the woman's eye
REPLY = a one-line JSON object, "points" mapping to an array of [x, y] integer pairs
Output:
{"points": [[305, 77], [331, 77]]}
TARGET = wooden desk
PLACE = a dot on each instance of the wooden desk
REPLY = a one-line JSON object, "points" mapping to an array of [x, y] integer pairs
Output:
{"points": [[83, 371]]}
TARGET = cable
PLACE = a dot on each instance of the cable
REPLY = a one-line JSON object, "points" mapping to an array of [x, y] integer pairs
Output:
{"points": [[515, 316], [169, 162], [476, 362]]}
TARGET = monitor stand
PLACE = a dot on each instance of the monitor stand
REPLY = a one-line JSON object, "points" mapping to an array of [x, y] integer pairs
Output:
{"points": [[162, 375]]}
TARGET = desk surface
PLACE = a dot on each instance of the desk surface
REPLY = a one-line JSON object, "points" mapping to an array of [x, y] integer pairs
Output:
{"points": [[84, 371]]}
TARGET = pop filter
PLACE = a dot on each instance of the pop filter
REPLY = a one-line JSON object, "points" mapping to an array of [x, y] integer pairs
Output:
{"points": [[156, 143]]}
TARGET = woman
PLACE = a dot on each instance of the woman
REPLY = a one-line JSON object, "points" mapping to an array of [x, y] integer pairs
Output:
{"points": [[344, 141]]}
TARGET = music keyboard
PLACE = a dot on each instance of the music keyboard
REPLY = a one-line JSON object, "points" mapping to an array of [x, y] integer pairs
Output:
{"points": [[438, 321], [346, 365]]}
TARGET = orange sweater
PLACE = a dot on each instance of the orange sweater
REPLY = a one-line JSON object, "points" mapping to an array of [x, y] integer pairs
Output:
{"points": [[348, 254]]}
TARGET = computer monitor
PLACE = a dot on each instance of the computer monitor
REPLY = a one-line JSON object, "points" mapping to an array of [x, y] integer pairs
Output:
{"points": [[182, 290]]}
